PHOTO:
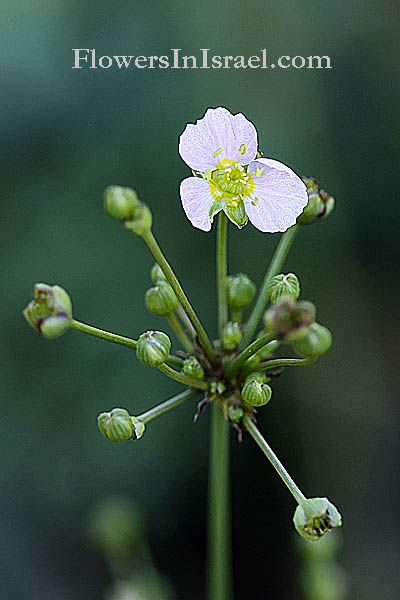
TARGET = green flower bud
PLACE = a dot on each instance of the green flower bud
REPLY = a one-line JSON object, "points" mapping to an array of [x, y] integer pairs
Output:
{"points": [[282, 287], [153, 348], [161, 299], [192, 368], [50, 311], [118, 425], [120, 202], [240, 290], [315, 516], [141, 220], [259, 377], [216, 387], [157, 274], [231, 335], [314, 341], [235, 414], [288, 319], [255, 393], [320, 203]]}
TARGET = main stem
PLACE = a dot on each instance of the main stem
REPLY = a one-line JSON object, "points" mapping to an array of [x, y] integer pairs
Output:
{"points": [[273, 459], [277, 261], [219, 551], [158, 255], [222, 271]]}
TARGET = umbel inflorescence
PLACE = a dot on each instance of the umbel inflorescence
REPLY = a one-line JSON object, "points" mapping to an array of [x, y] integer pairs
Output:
{"points": [[232, 179]]}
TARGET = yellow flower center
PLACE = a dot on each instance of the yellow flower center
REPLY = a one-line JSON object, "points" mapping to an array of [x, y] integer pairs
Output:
{"points": [[231, 182]]}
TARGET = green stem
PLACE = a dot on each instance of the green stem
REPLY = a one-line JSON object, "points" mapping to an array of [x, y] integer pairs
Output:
{"points": [[237, 315], [222, 271], [156, 251], [195, 383], [160, 409], [180, 334], [273, 459], [247, 352], [186, 322], [285, 362], [104, 335], [219, 553], [175, 361], [275, 266]]}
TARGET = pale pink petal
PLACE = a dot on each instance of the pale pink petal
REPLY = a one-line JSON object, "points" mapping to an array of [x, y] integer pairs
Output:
{"points": [[278, 198], [197, 201], [216, 136]]}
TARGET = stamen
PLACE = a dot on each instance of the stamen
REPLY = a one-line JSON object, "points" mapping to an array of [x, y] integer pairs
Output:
{"points": [[254, 202], [243, 149], [217, 152], [259, 171]]}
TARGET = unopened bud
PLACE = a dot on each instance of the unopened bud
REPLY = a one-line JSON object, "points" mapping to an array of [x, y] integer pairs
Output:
{"points": [[141, 220], [315, 516], [320, 203], [50, 311], [240, 290], [282, 287], [314, 341], [153, 348], [235, 414], [161, 299], [120, 202], [255, 392], [118, 425], [231, 335], [287, 319], [157, 273], [192, 368]]}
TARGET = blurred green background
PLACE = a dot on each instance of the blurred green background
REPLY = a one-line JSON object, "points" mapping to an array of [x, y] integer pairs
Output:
{"points": [[66, 134]]}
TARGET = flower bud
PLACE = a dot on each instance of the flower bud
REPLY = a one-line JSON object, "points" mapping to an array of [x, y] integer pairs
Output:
{"points": [[313, 341], [231, 335], [240, 290], [235, 414], [141, 220], [315, 516], [320, 203], [282, 287], [161, 299], [120, 202], [192, 368], [157, 273], [288, 319], [256, 393], [153, 348], [50, 311], [118, 425]]}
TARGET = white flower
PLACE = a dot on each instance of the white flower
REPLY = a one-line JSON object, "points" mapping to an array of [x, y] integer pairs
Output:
{"points": [[221, 149]]}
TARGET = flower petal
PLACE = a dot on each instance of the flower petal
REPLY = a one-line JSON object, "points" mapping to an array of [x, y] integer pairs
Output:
{"points": [[216, 136], [197, 202], [278, 198]]}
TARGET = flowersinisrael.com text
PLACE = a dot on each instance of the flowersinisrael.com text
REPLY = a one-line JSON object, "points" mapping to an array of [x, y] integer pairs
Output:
{"points": [[175, 59]]}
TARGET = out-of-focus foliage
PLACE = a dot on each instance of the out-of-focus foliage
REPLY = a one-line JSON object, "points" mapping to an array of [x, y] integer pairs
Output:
{"points": [[66, 135]]}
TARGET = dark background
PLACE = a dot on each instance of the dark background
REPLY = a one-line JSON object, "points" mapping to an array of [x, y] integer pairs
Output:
{"points": [[66, 134]]}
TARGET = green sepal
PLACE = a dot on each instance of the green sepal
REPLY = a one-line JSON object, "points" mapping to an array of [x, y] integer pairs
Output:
{"points": [[237, 215]]}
